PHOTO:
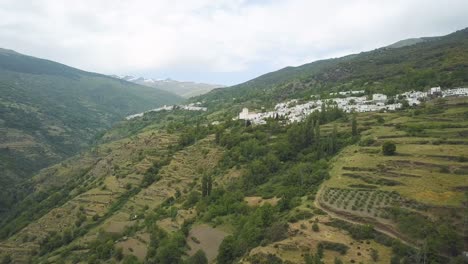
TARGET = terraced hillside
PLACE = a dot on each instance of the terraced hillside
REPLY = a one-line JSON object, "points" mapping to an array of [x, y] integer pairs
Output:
{"points": [[50, 111], [423, 183], [175, 187], [114, 193], [171, 188], [136, 193], [103, 180]]}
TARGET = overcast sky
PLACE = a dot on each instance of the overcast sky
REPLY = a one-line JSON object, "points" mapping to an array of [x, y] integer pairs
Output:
{"points": [[217, 41]]}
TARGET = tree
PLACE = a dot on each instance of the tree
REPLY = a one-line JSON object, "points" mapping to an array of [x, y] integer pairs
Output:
{"points": [[332, 148], [6, 259], [277, 231], [354, 126], [227, 251], [315, 227], [198, 258], [207, 185], [309, 131], [395, 260], [130, 259], [323, 113], [317, 134], [320, 250], [171, 250], [374, 254], [118, 254], [388, 148], [337, 261]]}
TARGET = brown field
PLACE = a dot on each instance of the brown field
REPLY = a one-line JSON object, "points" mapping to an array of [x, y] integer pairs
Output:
{"points": [[209, 239], [302, 240], [259, 201]]}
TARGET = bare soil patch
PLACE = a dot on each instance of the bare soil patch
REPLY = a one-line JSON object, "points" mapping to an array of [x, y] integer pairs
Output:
{"points": [[206, 238]]}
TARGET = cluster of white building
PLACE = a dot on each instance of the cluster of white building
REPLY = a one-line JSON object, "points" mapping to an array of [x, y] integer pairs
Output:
{"points": [[293, 111], [347, 93], [455, 92], [189, 107]]}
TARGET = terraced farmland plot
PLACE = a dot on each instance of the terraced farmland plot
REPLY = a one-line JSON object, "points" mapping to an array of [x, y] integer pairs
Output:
{"points": [[112, 170], [178, 177], [304, 240], [427, 175]]}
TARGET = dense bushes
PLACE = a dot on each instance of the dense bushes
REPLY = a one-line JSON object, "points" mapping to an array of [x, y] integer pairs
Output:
{"points": [[260, 225], [338, 247], [440, 236], [388, 148]]}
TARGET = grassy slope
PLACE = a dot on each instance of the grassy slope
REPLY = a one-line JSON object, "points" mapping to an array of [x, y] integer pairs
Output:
{"points": [[100, 180], [427, 174], [438, 61], [98, 183], [50, 111]]}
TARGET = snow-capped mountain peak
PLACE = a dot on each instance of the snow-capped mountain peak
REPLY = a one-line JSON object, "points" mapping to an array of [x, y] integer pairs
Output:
{"points": [[184, 89]]}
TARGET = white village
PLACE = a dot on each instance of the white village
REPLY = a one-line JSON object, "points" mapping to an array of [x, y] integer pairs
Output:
{"points": [[349, 101], [189, 107]]}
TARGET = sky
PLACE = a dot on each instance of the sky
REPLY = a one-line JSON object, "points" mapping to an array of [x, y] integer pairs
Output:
{"points": [[215, 41]]}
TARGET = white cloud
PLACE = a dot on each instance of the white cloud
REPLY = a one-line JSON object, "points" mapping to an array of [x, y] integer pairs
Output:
{"points": [[214, 36]]}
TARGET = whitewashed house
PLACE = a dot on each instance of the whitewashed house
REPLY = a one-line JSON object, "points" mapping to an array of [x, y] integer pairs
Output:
{"points": [[379, 98], [435, 91]]}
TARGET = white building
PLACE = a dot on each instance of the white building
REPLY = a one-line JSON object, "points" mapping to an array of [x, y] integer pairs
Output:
{"points": [[435, 90], [455, 92], [246, 115], [379, 98]]}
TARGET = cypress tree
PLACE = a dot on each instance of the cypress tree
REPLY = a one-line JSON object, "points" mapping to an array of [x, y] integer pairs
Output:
{"points": [[333, 142], [317, 134], [318, 145], [309, 131]]}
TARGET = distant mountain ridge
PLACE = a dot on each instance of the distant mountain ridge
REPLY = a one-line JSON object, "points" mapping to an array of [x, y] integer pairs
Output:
{"points": [[185, 89], [409, 42], [406, 65]]}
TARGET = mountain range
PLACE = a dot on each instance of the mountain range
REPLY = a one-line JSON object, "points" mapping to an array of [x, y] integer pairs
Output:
{"points": [[185, 186], [50, 111], [182, 88], [436, 61]]}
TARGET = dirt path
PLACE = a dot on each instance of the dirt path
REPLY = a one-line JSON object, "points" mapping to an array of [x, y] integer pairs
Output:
{"points": [[380, 227]]}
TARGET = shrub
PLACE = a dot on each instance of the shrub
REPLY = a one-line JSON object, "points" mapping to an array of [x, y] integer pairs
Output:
{"points": [[388, 148], [338, 261], [374, 254], [315, 227], [338, 247], [6, 259], [198, 258], [367, 141]]}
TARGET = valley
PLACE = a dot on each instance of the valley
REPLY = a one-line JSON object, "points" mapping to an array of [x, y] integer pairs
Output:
{"points": [[362, 160], [50, 111]]}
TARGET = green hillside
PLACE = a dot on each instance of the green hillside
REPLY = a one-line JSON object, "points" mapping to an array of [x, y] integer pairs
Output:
{"points": [[49, 111], [441, 61], [161, 187], [176, 187]]}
